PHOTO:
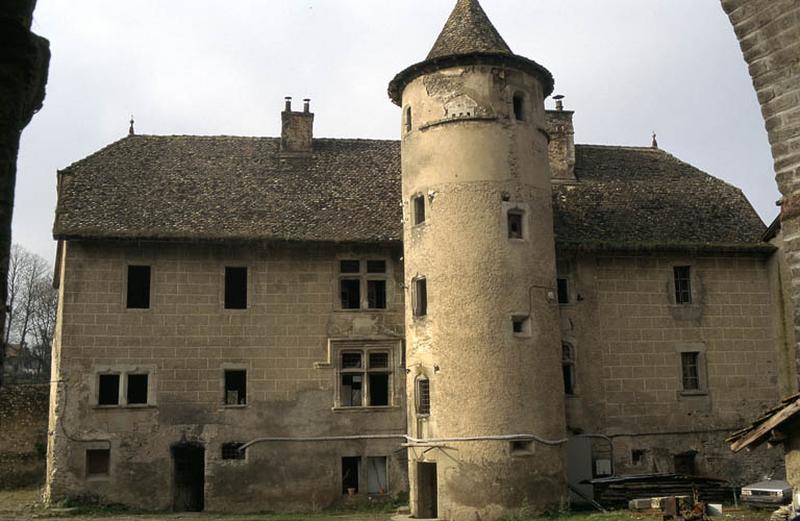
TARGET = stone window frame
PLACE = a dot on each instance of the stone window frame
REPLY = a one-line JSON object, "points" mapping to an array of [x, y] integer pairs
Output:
{"points": [[123, 371], [412, 205], [418, 310], [232, 461], [124, 297], [509, 207], [702, 368], [389, 346], [364, 277], [251, 286]]}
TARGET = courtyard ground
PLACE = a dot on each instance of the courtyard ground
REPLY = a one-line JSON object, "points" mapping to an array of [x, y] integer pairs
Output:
{"points": [[22, 505]]}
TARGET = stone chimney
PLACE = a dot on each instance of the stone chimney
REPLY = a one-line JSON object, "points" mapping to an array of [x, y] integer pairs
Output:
{"points": [[297, 128], [562, 142]]}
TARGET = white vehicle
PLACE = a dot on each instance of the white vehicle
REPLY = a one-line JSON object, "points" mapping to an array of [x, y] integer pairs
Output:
{"points": [[769, 492]]}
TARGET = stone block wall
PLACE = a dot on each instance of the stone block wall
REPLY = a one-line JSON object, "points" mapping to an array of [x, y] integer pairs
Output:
{"points": [[285, 340], [23, 434], [769, 35], [628, 334]]}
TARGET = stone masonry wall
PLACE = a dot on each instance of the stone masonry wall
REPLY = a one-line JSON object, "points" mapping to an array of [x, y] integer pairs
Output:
{"points": [[23, 434], [185, 341], [769, 36], [628, 334]]}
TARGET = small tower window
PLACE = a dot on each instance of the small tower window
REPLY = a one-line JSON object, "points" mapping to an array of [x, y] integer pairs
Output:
{"points": [[418, 203], [420, 298], [423, 396], [683, 284], [521, 325], [568, 368], [408, 119], [515, 224], [519, 106]]}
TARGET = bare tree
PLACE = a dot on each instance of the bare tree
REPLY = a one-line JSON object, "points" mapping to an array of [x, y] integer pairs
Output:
{"points": [[30, 319]]}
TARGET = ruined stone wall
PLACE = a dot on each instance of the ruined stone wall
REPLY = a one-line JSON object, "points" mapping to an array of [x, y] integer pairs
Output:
{"points": [[628, 333], [769, 36], [23, 434], [185, 341]]}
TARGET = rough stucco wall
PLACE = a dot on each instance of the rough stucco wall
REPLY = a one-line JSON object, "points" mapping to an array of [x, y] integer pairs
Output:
{"points": [[769, 36], [185, 340], [23, 434], [627, 333], [472, 160]]}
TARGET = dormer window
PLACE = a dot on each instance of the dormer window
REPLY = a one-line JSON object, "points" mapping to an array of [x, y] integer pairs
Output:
{"points": [[519, 106]]}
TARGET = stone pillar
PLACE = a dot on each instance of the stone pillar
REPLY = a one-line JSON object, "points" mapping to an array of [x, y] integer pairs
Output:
{"points": [[769, 35]]}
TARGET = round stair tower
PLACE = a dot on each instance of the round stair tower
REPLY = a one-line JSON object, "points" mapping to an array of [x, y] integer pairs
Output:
{"points": [[483, 338]]}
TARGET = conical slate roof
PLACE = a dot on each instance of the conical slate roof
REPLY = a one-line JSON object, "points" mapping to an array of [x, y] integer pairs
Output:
{"points": [[467, 31], [468, 38]]}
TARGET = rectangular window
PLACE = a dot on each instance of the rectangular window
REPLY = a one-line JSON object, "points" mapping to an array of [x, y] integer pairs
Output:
{"points": [[108, 389], [350, 469], [138, 287], [683, 285], [563, 291], [98, 462], [235, 387], [365, 386], [423, 396], [376, 294], [137, 389], [351, 293], [515, 223], [376, 475], [690, 366], [230, 451], [418, 202], [235, 288], [350, 266], [376, 266], [420, 298]]}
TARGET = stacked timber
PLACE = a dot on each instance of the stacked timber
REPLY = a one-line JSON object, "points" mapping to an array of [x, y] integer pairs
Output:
{"points": [[617, 491]]}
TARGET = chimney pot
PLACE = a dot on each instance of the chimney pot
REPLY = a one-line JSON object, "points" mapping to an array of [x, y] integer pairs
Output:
{"points": [[288, 103], [306, 105], [559, 102]]}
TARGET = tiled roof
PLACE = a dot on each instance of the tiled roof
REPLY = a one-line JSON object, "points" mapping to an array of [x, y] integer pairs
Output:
{"points": [[467, 31], [645, 195], [240, 188]]}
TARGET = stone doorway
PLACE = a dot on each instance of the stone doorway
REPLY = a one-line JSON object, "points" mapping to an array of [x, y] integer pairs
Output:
{"points": [[189, 477], [427, 491]]}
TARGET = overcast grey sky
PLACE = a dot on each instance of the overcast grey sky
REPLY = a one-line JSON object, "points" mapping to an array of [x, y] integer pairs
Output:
{"points": [[627, 67]]}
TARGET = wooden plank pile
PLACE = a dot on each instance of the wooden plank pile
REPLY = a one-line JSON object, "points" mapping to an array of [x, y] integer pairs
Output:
{"points": [[617, 491]]}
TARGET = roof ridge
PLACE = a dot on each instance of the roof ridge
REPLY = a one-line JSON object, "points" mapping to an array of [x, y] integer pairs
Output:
{"points": [[468, 30]]}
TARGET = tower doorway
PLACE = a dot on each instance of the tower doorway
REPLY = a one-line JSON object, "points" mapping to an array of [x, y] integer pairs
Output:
{"points": [[427, 491], [189, 477]]}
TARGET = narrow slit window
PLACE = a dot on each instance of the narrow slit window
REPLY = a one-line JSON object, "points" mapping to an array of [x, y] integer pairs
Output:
{"points": [[519, 106], [568, 368], [350, 469], [423, 396], [515, 224], [232, 451], [521, 447], [563, 291], [690, 367], [420, 299], [138, 287], [409, 122], [137, 389], [235, 387], [98, 462], [683, 284], [108, 389], [235, 288], [418, 203]]}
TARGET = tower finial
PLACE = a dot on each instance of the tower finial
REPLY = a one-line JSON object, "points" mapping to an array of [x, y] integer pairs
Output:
{"points": [[130, 129], [655, 141]]}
